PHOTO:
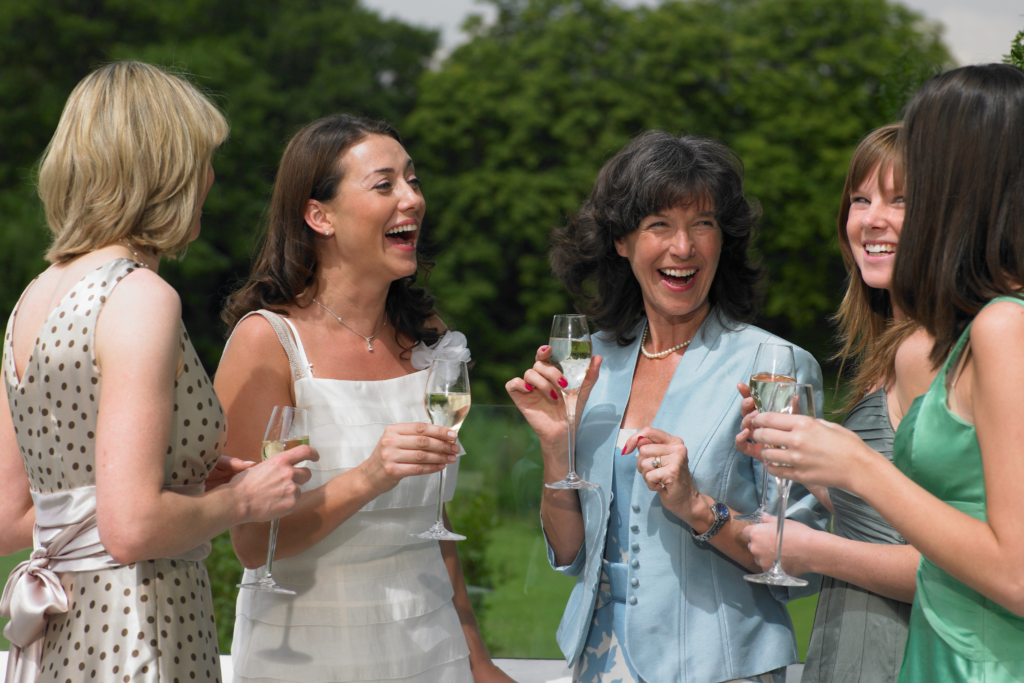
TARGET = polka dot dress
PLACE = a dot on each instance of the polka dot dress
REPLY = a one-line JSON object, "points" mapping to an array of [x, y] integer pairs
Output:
{"points": [[144, 622]]}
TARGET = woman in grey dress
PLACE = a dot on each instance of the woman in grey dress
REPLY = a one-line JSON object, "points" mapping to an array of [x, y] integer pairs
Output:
{"points": [[860, 627]]}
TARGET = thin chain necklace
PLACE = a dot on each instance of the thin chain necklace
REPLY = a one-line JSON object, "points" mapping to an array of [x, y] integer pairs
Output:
{"points": [[369, 346], [138, 259], [660, 354]]}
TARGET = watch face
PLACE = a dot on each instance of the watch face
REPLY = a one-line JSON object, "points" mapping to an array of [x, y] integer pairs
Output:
{"points": [[722, 510]]}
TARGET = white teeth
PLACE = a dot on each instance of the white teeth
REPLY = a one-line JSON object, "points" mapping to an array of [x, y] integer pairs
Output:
{"points": [[880, 248], [676, 272], [402, 228]]}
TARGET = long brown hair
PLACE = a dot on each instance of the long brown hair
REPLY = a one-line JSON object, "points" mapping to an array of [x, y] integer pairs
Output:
{"points": [[286, 266], [868, 334], [963, 237]]}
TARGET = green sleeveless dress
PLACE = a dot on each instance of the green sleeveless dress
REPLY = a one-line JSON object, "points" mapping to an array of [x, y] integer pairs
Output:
{"points": [[956, 633]]}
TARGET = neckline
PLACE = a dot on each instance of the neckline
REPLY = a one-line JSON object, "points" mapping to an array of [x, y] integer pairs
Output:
{"points": [[39, 335]]}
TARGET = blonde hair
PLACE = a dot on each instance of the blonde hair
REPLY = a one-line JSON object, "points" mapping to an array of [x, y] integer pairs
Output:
{"points": [[129, 160], [868, 333]]}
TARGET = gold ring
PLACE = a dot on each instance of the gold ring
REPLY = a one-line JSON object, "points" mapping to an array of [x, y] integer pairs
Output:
{"points": [[657, 462]]}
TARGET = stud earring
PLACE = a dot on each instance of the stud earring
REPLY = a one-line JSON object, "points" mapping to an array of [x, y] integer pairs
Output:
{"points": [[327, 233]]}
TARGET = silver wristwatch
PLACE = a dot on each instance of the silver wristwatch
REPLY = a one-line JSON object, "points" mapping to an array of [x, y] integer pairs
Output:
{"points": [[721, 512]]}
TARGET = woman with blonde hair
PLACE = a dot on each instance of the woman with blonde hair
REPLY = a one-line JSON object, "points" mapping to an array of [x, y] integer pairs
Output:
{"points": [[860, 626], [110, 463]]}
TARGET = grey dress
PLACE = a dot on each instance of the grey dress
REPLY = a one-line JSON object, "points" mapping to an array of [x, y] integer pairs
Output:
{"points": [[859, 636]]}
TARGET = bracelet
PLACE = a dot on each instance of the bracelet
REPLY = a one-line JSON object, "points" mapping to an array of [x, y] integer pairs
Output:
{"points": [[721, 512]]}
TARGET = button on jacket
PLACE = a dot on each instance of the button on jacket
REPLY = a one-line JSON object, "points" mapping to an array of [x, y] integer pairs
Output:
{"points": [[691, 616]]}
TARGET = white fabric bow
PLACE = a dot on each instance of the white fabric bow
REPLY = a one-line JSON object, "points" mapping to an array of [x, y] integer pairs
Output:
{"points": [[451, 346]]}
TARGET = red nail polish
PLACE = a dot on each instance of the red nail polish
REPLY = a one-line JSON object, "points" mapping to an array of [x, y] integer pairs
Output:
{"points": [[545, 348], [528, 387], [562, 383], [554, 395]]}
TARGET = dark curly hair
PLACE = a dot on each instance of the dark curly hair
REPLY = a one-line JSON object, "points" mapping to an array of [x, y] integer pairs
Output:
{"points": [[654, 172], [286, 266]]}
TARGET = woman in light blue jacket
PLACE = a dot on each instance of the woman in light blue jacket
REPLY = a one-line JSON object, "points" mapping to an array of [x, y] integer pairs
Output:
{"points": [[659, 252]]}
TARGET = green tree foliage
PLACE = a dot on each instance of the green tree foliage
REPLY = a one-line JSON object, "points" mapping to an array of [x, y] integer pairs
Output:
{"points": [[1016, 56], [272, 66], [509, 134]]}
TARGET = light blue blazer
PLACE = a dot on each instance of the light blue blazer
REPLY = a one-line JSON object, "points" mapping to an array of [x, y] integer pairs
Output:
{"points": [[695, 618]]}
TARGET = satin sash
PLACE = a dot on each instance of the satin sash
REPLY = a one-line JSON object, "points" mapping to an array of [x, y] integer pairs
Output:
{"points": [[66, 539]]}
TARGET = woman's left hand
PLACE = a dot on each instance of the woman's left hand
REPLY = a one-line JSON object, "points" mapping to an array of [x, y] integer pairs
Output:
{"points": [[225, 470], [763, 543], [663, 462], [490, 673], [814, 451]]}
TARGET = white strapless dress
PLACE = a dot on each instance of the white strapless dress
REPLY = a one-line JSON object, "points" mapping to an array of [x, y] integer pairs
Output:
{"points": [[373, 603]]}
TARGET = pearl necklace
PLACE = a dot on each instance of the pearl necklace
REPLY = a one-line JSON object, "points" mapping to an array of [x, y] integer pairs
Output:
{"points": [[369, 346], [130, 248], [660, 354]]}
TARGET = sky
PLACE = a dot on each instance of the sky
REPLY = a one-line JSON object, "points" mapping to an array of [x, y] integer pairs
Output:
{"points": [[977, 31]]}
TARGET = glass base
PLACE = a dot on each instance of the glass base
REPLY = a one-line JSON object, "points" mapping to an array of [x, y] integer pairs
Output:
{"points": [[438, 533], [267, 585], [775, 577], [573, 481], [756, 516]]}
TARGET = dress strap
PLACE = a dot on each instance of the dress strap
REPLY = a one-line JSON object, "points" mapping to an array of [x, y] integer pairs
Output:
{"points": [[288, 337]]}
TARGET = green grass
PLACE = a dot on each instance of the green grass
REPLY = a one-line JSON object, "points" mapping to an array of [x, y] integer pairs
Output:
{"points": [[7, 565]]}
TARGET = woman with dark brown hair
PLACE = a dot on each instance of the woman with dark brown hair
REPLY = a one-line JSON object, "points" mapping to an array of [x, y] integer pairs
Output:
{"points": [[330, 321], [860, 626], [953, 488]]}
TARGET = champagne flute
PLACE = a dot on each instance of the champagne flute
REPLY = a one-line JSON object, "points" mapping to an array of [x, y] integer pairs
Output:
{"points": [[570, 353], [447, 401], [793, 399], [288, 428], [773, 364]]}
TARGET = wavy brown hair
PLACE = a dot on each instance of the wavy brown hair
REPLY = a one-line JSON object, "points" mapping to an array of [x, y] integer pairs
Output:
{"points": [[656, 171], [963, 238], [867, 332], [285, 270]]}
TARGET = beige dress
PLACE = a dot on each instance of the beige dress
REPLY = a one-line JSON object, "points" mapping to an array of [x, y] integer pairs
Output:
{"points": [[147, 621]]}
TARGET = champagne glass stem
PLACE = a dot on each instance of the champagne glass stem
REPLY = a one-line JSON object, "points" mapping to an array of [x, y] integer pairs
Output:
{"points": [[272, 547], [764, 487], [784, 487], [570, 415], [440, 494]]}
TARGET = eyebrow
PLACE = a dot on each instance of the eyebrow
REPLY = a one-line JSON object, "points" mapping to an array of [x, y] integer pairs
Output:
{"points": [[388, 170]]}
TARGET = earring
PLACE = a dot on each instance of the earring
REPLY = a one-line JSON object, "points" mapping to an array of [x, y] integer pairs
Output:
{"points": [[327, 233]]}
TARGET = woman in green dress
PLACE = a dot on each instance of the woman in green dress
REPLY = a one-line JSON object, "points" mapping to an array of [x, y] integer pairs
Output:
{"points": [[868, 568], [953, 490]]}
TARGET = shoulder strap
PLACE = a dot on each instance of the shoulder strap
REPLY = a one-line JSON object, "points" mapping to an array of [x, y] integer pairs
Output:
{"points": [[284, 335]]}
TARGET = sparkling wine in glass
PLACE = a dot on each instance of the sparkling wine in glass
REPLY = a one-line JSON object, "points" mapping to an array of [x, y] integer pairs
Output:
{"points": [[793, 399], [288, 428], [773, 363], [570, 353], [447, 401]]}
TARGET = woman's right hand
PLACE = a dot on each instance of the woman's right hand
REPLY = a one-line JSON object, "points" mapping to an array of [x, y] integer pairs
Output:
{"points": [[744, 444], [538, 396], [270, 489], [407, 450]]}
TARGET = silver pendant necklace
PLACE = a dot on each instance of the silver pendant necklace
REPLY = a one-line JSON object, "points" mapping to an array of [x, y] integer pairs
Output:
{"points": [[369, 346], [660, 354]]}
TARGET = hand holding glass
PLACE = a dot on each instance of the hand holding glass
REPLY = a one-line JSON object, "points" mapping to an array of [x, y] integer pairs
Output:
{"points": [[447, 401], [288, 428], [793, 399], [773, 363], [570, 353]]}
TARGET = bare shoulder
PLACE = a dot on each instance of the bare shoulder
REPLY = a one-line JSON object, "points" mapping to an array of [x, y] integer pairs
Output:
{"points": [[996, 332], [253, 347], [146, 292], [914, 369]]}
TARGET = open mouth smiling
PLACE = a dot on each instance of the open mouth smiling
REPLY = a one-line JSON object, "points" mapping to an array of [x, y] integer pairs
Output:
{"points": [[677, 276], [403, 235], [880, 249]]}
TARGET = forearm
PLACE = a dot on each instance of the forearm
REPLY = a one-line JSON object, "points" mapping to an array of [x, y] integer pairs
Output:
{"points": [[166, 524], [888, 570], [318, 513], [17, 532], [560, 511], [964, 546]]}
